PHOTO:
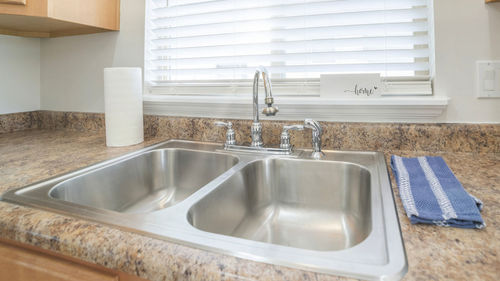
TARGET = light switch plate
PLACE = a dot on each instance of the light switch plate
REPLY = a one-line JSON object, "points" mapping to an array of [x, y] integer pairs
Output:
{"points": [[488, 79]]}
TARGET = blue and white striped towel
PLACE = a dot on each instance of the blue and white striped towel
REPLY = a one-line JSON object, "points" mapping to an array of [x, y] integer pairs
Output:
{"points": [[432, 194]]}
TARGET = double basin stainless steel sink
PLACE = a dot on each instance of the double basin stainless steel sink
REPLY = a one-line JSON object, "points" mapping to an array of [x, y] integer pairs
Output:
{"points": [[335, 215]]}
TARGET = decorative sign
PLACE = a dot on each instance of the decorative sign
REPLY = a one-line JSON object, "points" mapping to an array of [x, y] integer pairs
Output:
{"points": [[350, 85]]}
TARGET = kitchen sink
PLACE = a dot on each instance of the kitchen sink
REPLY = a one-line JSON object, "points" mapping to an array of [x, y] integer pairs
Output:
{"points": [[315, 205], [335, 215], [148, 182]]}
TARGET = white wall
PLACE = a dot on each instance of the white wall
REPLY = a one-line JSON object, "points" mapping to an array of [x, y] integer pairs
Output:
{"points": [[465, 31], [72, 67], [19, 74]]}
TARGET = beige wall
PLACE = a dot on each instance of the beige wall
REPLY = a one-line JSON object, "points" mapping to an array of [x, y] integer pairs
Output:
{"points": [[465, 31], [19, 74], [72, 67]]}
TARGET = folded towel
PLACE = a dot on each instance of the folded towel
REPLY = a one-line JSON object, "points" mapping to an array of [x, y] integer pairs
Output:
{"points": [[432, 194]]}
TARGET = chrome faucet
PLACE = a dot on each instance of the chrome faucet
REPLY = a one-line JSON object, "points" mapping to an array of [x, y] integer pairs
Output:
{"points": [[270, 110], [286, 148], [257, 145], [316, 137]]}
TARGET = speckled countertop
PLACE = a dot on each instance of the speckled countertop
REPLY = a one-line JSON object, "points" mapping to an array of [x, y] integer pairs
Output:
{"points": [[434, 253]]}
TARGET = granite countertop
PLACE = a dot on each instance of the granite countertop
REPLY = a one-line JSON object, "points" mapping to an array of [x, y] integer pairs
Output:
{"points": [[434, 253]]}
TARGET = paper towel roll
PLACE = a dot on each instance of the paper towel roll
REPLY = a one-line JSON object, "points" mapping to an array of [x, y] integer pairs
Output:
{"points": [[123, 106]]}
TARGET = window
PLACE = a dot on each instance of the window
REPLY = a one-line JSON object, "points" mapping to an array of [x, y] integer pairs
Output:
{"points": [[214, 46], [201, 56]]}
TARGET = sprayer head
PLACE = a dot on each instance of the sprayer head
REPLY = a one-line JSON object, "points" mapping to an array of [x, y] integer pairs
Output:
{"points": [[270, 110]]}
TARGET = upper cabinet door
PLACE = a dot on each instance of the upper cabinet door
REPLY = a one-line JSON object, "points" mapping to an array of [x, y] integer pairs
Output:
{"points": [[54, 18], [18, 2]]}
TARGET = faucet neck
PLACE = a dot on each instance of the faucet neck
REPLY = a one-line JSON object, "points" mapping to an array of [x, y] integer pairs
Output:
{"points": [[256, 96], [270, 110], [267, 88]]}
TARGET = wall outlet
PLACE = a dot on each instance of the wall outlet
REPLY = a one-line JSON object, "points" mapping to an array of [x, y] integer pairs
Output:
{"points": [[488, 79]]}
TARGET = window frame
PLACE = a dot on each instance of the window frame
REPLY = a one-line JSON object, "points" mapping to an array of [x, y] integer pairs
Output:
{"points": [[403, 99]]}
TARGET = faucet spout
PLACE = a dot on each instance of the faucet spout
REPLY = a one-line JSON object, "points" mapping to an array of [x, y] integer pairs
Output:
{"points": [[270, 110]]}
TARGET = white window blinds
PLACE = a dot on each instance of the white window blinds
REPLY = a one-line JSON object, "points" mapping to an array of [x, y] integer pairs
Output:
{"points": [[225, 40]]}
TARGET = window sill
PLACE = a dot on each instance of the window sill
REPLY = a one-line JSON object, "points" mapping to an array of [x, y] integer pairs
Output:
{"points": [[392, 109]]}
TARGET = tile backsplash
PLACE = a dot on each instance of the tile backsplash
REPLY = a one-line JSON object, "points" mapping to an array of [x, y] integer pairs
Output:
{"points": [[451, 137]]}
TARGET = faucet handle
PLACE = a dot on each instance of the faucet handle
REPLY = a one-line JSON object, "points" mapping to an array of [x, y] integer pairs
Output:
{"points": [[285, 136], [230, 135], [229, 125]]}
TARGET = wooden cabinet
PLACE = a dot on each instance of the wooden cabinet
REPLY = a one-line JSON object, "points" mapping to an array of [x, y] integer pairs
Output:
{"points": [[22, 262], [53, 18], [20, 2]]}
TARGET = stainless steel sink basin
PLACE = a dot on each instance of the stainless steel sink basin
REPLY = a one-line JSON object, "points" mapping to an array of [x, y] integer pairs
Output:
{"points": [[314, 205], [148, 182], [335, 215]]}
